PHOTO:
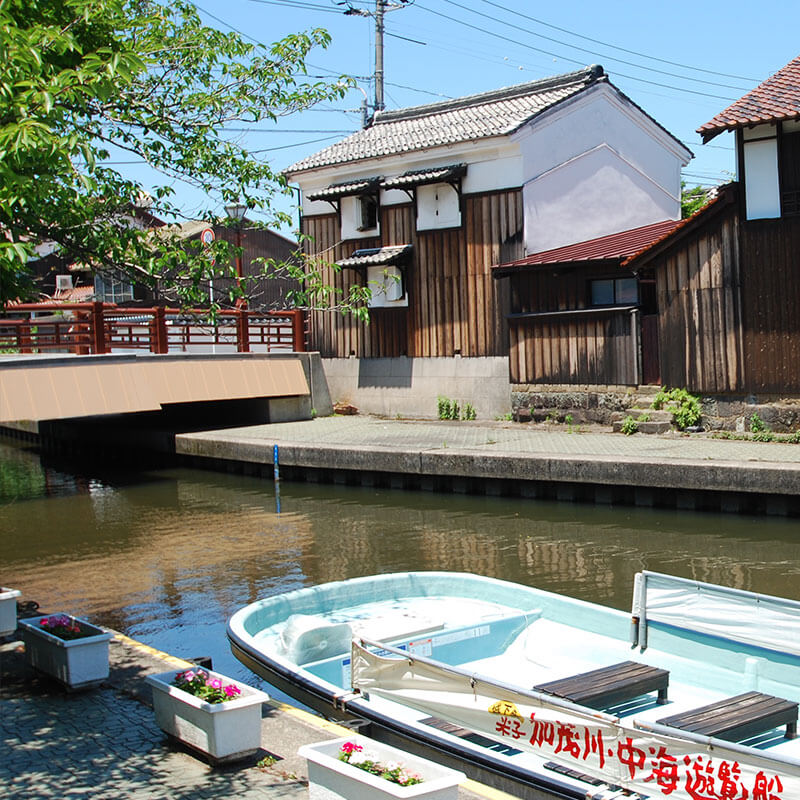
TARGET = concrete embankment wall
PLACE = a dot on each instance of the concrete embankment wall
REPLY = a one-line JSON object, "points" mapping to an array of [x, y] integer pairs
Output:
{"points": [[409, 387]]}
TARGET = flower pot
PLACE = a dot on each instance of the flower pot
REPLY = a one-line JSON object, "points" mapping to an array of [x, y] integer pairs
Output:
{"points": [[8, 611], [220, 731], [75, 663], [332, 779]]}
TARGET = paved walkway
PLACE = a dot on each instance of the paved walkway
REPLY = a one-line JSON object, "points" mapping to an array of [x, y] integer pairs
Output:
{"points": [[104, 744], [507, 437]]}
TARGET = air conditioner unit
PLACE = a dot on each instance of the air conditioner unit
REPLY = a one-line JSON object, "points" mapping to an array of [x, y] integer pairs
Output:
{"points": [[63, 283]]}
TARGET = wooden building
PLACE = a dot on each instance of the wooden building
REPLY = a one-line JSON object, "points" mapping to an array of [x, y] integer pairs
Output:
{"points": [[258, 244], [421, 204], [578, 316], [728, 281]]}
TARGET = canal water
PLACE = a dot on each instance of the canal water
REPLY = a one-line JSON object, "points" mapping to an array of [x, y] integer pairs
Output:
{"points": [[167, 555]]}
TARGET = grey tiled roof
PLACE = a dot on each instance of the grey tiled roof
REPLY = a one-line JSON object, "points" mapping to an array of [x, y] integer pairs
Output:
{"points": [[347, 189], [496, 113], [377, 256], [419, 177]]}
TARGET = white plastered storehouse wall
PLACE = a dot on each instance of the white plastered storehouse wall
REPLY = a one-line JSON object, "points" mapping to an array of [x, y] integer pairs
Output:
{"points": [[596, 165]]}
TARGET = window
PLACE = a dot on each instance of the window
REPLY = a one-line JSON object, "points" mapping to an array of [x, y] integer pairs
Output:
{"points": [[360, 218], [615, 292], [368, 207], [438, 206], [111, 290]]}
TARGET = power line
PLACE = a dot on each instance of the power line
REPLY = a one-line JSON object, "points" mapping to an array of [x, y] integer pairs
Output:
{"points": [[622, 49], [285, 130], [568, 59], [295, 144], [584, 50], [305, 6]]}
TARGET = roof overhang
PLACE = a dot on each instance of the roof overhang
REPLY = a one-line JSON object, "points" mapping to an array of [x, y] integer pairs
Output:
{"points": [[348, 189], [378, 257], [726, 197], [451, 174], [613, 250]]}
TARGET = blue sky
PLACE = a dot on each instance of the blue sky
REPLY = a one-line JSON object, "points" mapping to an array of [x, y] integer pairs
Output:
{"points": [[682, 61]]}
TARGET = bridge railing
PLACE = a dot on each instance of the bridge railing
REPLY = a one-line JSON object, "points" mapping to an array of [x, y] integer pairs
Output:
{"points": [[105, 328]]}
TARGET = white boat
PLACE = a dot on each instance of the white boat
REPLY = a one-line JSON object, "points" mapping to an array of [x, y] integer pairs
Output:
{"points": [[693, 696]]}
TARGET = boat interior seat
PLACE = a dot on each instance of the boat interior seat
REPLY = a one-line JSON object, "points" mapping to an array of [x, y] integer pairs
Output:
{"points": [[737, 718], [306, 638]]}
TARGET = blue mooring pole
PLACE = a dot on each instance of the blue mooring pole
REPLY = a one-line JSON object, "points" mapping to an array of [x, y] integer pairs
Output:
{"points": [[277, 475]]}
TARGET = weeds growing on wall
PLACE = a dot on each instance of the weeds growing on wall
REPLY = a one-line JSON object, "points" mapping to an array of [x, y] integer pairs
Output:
{"points": [[684, 406]]}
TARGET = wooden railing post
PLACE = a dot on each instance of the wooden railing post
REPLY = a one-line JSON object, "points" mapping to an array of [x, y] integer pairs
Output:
{"points": [[24, 339], [298, 330], [242, 331], [159, 341], [98, 335]]}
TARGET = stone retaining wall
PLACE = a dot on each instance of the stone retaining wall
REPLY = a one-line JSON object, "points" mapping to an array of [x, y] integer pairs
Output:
{"points": [[604, 404]]}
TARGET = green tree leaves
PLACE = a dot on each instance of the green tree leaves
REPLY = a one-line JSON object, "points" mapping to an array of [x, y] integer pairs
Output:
{"points": [[84, 82]]}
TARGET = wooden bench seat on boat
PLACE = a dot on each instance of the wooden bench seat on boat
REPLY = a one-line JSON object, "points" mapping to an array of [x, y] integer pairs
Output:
{"points": [[609, 686], [737, 718]]}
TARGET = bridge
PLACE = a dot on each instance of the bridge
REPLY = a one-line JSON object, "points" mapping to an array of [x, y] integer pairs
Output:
{"points": [[97, 328], [71, 361]]}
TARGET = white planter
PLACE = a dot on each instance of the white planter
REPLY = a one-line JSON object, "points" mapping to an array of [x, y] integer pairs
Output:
{"points": [[76, 663], [8, 611], [223, 732], [332, 779]]}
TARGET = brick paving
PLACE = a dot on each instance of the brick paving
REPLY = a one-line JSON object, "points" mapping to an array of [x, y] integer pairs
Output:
{"points": [[104, 744]]}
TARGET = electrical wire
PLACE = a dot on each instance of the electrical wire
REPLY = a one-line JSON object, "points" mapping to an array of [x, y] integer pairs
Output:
{"points": [[584, 50], [567, 58], [295, 144], [518, 13]]}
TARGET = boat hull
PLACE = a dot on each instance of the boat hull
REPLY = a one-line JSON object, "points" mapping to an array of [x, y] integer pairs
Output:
{"points": [[462, 689]]}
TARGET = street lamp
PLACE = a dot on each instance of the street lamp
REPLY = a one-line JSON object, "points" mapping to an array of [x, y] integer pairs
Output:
{"points": [[236, 211]]}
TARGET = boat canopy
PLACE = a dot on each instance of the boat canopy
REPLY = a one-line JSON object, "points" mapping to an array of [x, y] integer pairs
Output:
{"points": [[758, 620]]}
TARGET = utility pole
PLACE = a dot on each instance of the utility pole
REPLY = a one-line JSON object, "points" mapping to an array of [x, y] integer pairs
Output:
{"points": [[379, 104], [381, 7]]}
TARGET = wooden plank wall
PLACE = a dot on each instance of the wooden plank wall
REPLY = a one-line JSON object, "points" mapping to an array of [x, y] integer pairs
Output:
{"points": [[595, 348], [770, 277], [455, 306], [584, 349], [697, 284]]}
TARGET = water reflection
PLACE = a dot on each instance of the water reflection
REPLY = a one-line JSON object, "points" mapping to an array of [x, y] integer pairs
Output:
{"points": [[169, 555]]}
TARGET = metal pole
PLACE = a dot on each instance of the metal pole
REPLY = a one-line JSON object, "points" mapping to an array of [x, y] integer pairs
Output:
{"points": [[379, 104], [277, 476]]}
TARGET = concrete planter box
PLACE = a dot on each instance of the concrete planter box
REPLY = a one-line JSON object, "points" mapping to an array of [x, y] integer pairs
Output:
{"points": [[332, 779], [220, 731], [75, 663], [8, 611]]}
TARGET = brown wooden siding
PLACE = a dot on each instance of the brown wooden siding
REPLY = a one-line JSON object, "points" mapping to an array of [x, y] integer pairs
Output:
{"points": [[588, 348], [264, 293], [770, 276], [454, 305], [697, 284], [597, 346]]}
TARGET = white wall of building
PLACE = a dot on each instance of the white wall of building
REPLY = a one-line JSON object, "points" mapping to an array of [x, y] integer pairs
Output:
{"points": [[762, 186], [595, 194], [595, 166], [492, 165]]}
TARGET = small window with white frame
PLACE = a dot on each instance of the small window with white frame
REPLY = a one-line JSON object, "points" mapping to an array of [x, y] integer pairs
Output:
{"points": [[360, 217]]}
